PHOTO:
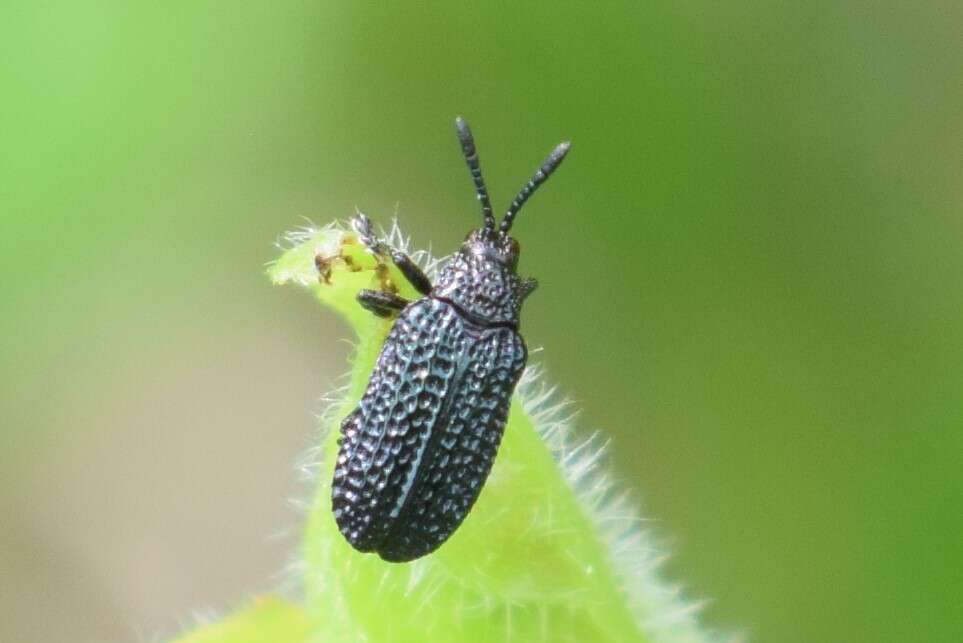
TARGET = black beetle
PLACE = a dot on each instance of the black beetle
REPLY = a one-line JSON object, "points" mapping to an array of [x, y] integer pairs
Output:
{"points": [[414, 454]]}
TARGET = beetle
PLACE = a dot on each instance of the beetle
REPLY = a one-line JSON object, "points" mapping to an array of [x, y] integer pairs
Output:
{"points": [[416, 451]]}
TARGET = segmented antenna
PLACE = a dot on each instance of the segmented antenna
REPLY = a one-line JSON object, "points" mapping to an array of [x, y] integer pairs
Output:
{"points": [[471, 157], [550, 165]]}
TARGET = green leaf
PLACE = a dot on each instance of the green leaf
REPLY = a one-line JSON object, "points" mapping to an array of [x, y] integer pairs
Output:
{"points": [[536, 559], [552, 551], [265, 620]]}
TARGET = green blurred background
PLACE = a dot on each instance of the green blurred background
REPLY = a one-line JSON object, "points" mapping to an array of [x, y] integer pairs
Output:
{"points": [[750, 264]]}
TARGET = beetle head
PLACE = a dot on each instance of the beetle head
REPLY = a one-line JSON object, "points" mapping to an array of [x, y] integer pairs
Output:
{"points": [[498, 247], [481, 277]]}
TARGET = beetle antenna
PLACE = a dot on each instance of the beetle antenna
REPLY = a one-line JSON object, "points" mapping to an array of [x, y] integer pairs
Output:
{"points": [[550, 165], [471, 157]]}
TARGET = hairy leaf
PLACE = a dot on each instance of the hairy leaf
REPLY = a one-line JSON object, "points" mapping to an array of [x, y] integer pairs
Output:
{"points": [[552, 551]]}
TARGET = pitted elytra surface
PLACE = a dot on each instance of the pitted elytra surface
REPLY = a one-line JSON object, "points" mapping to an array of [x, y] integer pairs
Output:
{"points": [[415, 453]]}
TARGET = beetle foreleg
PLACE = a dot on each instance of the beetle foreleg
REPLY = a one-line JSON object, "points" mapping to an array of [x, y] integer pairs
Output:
{"points": [[366, 234], [415, 275], [381, 250], [528, 287], [382, 304]]}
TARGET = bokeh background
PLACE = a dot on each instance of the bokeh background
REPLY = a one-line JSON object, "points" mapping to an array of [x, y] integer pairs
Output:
{"points": [[751, 278]]}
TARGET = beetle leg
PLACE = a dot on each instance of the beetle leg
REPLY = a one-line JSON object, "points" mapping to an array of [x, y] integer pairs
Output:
{"points": [[528, 287], [382, 304], [366, 234], [415, 275], [381, 250]]}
